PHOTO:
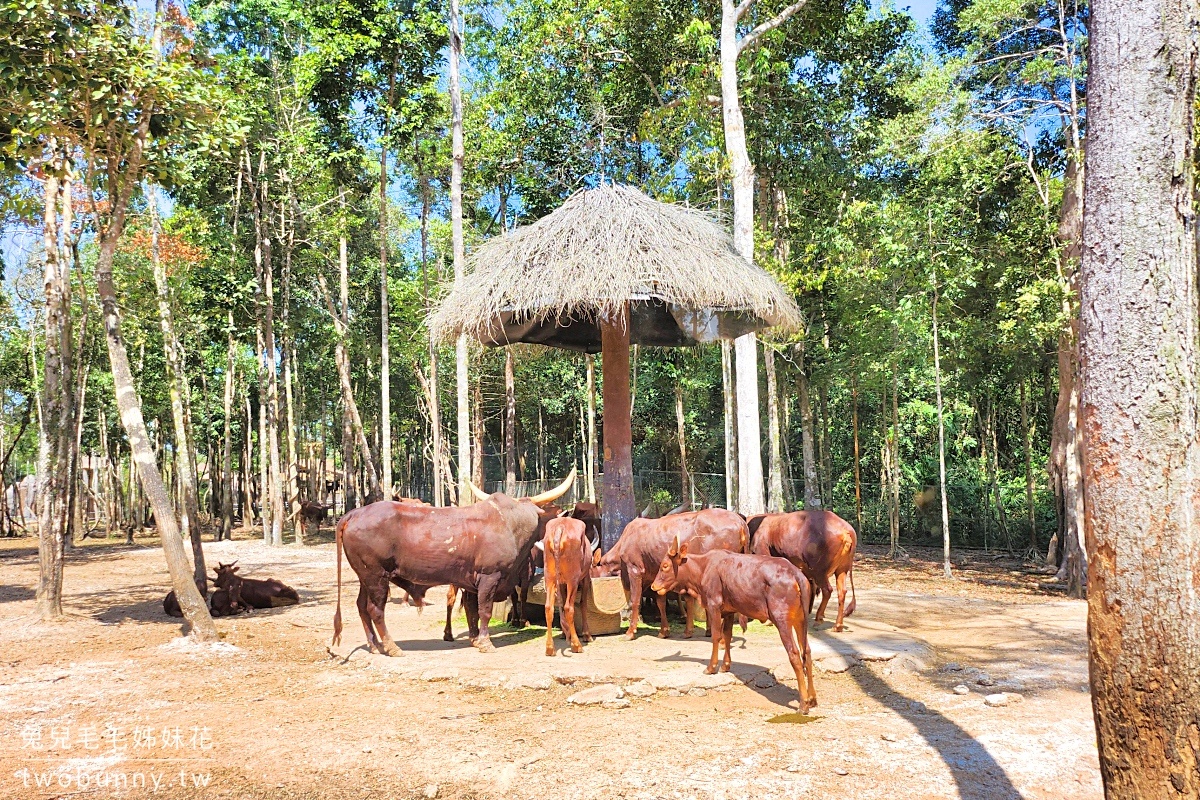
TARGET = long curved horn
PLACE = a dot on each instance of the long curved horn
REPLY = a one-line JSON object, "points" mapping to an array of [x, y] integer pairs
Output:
{"points": [[480, 494], [555, 493]]}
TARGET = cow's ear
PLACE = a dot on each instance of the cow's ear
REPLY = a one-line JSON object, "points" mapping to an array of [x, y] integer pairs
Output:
{"points": [[683, 550], [235, 569], [596, 556], [674, 549], [540, 545]]}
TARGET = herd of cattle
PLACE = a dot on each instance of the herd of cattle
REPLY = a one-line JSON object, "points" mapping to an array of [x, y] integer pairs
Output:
{"points": [[765, 567]]}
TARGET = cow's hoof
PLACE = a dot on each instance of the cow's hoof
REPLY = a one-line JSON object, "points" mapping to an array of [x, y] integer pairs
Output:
{"points": [[724, 668], [687, 634], [664, 634], [392, 650], [485, 646], [710, 671], [588, 638], [837, 628], [550, 652], [630, 634], [576, 648], [447, 637]]}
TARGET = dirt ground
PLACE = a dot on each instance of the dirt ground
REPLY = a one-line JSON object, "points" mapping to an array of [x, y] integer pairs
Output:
{"points": [[112, 702]]}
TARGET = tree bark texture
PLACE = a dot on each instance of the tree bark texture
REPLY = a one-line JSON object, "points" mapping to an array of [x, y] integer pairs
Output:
{"points": [[775, 447], [1138, 410], [458, 249]]}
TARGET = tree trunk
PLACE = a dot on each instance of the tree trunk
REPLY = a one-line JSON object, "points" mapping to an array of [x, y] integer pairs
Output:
{"points": [[750, 477], [226, 529], [185, 469], [385, 358], [728, 394], [857, 458], [196, 617], [617, 502], [937, 382], [510, 426], [56, 419], [477, 472], [590, 472], [812, 492], [273, 492], [685, 488], [459, 251], [1138, 348], [775, 448], [1027, 448]]}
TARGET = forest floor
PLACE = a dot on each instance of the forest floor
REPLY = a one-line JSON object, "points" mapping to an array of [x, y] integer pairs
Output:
{"points": [[113, 697]]}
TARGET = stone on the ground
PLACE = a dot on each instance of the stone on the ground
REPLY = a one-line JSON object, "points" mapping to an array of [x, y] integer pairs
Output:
{"points": [[620, 702], [604, 693], [840, 771], [697, 691], [540, 684], [1002, 699], [642, 688], [952, 666], [918, 707], [983, 679], [683, 681], [837, 663], [764, 680], [431, 791], [962, 688]]}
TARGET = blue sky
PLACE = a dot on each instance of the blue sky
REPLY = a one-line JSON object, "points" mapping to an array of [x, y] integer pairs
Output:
{"points": [[921, 10]]}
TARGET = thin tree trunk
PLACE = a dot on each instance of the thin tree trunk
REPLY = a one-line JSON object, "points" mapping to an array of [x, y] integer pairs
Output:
{"points": [[775, 448], [478, 432], [459, 251], [894, 515], [812, 491], [857, 457], [510, 426], [937, 374], [685, 487], [1141, 435], [592, 453], [385, 358], [1027, 447], [226, 529], [248, 471], [56, 418], [728, 393], [273, 518], [185, 469]]}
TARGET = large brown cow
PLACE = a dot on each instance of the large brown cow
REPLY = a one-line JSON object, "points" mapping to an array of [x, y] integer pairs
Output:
{"points": [[568, 561], [479, 549], [761, 587], [642, 546], [820, 543]]}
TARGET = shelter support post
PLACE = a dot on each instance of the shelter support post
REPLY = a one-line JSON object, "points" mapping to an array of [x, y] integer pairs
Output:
{"points": [[617, 505]]}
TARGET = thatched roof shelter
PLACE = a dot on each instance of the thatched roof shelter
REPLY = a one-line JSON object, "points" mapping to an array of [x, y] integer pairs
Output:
{"points": [[609, 268], [551, 281]]}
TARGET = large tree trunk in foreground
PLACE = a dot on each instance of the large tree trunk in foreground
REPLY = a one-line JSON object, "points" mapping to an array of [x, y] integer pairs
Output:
{"points": [[56, 417], [1139, 415], [189, 520]]}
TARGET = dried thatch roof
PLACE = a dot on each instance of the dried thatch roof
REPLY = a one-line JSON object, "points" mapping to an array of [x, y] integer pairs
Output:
{"points": [[603, 247]]}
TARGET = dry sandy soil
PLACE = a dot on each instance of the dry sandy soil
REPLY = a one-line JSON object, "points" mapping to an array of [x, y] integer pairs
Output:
{"points": [[114, 696]]}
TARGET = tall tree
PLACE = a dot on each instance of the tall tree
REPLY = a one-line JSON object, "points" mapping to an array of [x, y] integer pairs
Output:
{"points": [[1141, 421], [458, 249]]}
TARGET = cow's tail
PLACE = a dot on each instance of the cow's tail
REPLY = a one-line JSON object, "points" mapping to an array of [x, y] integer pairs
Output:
{"points": [[337, 615]]}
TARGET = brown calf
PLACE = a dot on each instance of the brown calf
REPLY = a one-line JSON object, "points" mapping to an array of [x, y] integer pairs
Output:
{"points": [[761, 587], [251, 592], [568, 561], [820, 543]]}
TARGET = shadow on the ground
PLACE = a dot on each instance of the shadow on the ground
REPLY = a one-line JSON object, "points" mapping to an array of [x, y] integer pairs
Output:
{"points": [[780, 694], [977, 774]]}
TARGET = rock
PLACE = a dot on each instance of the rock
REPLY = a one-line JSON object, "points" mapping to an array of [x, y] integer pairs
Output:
{"points": [[962, 688], [911, 663], [683, 681], [620, 702], [697, 691], [538, 684], [794, 768], [764, 680], [887, 737], [952, 666], [431, 791], [1002, 699], [604, 693], [674, 693], [983, 679], [917, 707], [840, 771], [642, 688], [837, 663], [439, 674]]}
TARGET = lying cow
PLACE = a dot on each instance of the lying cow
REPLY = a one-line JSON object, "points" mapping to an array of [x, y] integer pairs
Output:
{"points": [[223, 604], [761, 587], [568, 561], [820, 543], [171, 602], [479, 549], [642, 546], [253, 592]]}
